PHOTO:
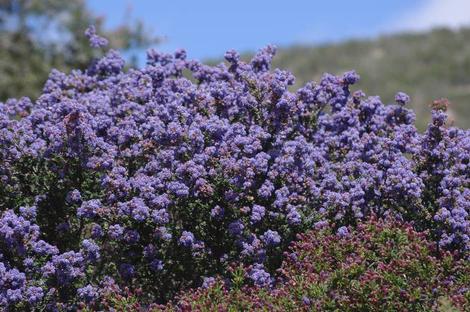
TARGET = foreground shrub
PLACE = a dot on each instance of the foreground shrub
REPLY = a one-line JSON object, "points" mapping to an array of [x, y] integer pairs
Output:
{"points": [[150, 180], [380, 266]]}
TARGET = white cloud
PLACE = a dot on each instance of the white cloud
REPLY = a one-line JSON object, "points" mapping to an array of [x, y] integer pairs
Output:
{"points": [[434, 13]]}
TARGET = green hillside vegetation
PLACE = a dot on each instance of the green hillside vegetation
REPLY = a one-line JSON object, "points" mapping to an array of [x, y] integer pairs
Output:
{"points": [[426, 66]]}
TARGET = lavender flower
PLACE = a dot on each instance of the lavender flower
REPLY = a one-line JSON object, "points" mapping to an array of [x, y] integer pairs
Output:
{"points": [[89, 209], [115, 231], [90, 250], [257, 213], [87, 293], [187, 239], [402, 98], [95, 40], [271, 238], [29, 213], [260, 277], [343, 231], [96, 231], [74, 197], [217, 212], [34, 294], [156, 265], [236, 228], [208, 282], [160, 216]]}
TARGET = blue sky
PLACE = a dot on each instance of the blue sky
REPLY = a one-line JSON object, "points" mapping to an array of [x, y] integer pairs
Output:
{"points": [[207, 28]]}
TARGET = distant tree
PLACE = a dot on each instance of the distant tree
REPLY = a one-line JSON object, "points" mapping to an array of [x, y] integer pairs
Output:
{"points": [[38, 35]]}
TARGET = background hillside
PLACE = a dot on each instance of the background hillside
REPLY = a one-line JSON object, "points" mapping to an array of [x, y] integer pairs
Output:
{"points": [[425, 65]]}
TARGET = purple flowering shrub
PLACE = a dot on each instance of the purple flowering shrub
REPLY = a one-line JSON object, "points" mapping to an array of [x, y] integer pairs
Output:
{"points": [[159, 177], [378, 266]]}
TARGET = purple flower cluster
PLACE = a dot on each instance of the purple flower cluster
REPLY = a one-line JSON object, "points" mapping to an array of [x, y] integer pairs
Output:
{"points": [[271, 238], [210, 169], [12, 285], [87, 293], [259, 276], [89, 209], [96, 41], [187, 239]]}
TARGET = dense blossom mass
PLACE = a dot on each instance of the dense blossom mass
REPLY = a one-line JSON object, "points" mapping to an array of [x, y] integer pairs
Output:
{"points": [[161, 177]]}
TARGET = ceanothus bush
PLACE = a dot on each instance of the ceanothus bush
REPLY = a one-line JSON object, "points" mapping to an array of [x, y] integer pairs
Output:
{"points": [[159, 177]]}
